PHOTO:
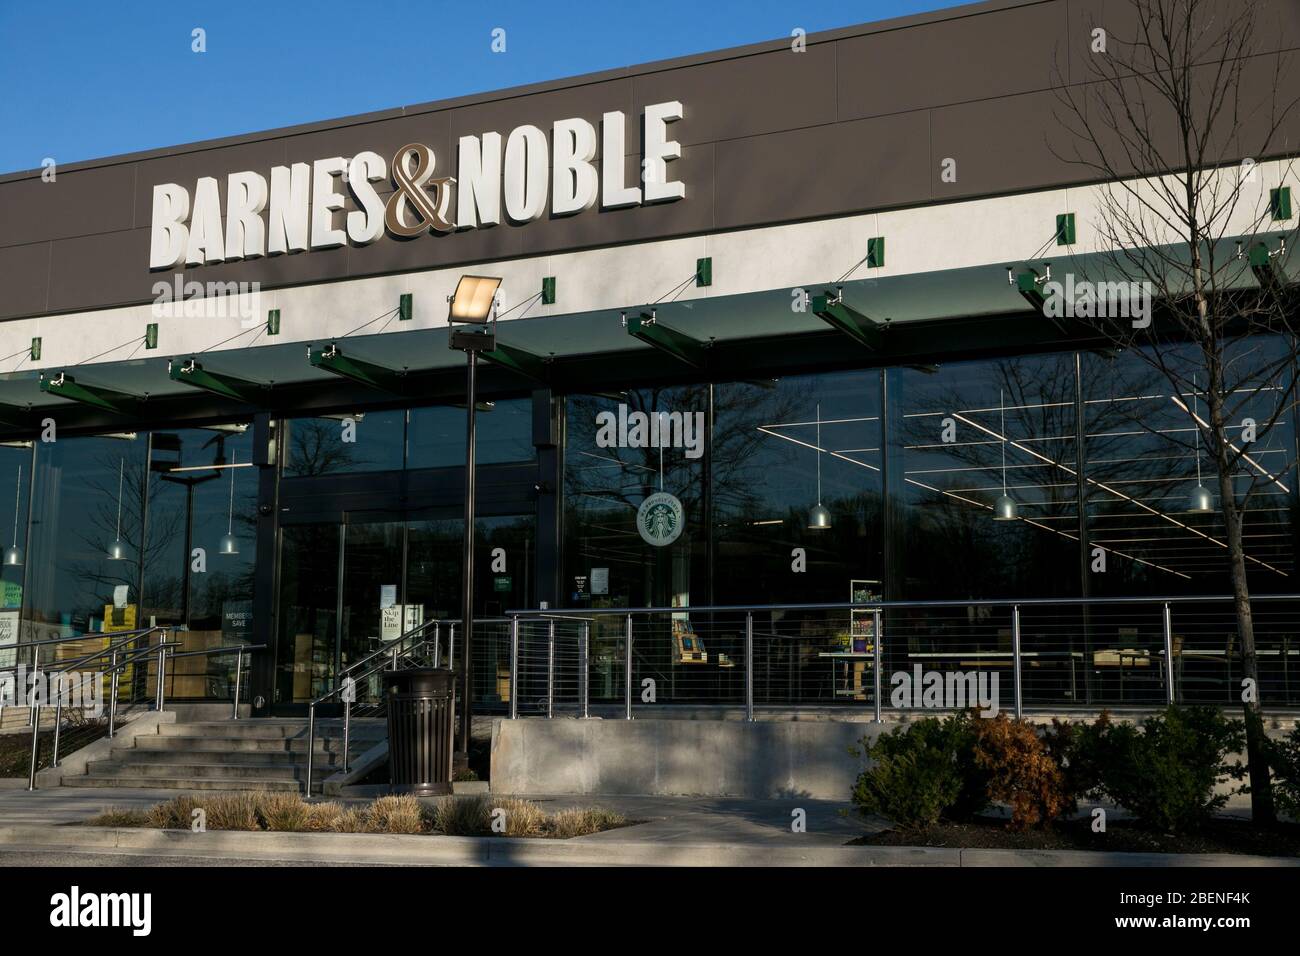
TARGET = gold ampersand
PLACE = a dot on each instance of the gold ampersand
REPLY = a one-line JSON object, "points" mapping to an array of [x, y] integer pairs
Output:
{"points": [[412, 184]]}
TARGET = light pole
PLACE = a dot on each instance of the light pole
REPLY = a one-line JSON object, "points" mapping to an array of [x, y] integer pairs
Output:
{"points": [[474, 302]]}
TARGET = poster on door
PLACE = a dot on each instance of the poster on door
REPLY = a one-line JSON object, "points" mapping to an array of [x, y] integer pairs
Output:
{"points": [[8, 638]]}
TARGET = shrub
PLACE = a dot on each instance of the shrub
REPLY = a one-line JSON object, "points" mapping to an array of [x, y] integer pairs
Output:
{"points": [[1167, 772], [462, 816], [1077, 751], [395, 814], [923, 772], [1022, 772], [1285, 758]]}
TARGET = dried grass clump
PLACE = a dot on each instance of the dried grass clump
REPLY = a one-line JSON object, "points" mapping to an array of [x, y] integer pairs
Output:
{"points": [[522, 818], [462, 816], [576, 823], [174, 814], [119, 817], [395, 814], [232, 811], [283, 812], [290, 813]]}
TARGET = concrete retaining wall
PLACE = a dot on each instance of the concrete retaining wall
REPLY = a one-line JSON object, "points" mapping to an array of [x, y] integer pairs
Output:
{"points": [[677, 757]]}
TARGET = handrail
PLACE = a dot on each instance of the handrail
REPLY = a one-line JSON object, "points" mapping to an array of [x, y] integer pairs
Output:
{"points": [[899, 605], [128, 656], [119, 637], [223, 649], [389, 647]]}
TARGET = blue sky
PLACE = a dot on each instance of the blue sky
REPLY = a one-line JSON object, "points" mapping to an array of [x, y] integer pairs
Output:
{"points": [[91, 78]]}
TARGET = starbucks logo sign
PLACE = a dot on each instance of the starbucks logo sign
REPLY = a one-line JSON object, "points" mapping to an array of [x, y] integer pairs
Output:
{"points": [[659, 519]]}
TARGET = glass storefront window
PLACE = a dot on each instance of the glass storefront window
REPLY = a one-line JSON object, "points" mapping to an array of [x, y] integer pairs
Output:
{"points": [[430, 436], [611, 468], [771, 446], [85, 561], [200, 558], [436, 434], [341, 444], [1146, 461], [15, 486], [989, 479]]}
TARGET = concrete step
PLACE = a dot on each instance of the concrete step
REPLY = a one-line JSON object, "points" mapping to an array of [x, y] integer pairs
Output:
{"points": [[237, 758], [186, 783], [114, 768], [270, 729], [241, 745]]}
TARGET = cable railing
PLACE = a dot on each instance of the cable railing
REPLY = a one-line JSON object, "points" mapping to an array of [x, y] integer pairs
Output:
{"points": [[74, 688], [1019, 656]]}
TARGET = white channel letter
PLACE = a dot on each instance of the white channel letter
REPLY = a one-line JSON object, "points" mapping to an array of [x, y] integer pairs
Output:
{"points": [[167, 232], [526, 174], [290, 209], [325, 201], [366, 224], [246, 195], [575, 184], [614, 194], [206, 244], [478, 181], [658, 150]]}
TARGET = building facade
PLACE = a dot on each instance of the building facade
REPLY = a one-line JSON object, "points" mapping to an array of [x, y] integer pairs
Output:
{"points": [[228, 402]]}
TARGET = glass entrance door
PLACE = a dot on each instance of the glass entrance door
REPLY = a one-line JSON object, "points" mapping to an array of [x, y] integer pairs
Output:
{"points": [[347, 588], [306, 657]]}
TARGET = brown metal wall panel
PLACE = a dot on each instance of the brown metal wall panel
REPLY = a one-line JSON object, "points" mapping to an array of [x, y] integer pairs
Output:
{"points": [[1001, 146], [747, 96], [75, 203], [824, 171], [587, 101], [952, 61], [100, 271], [24, 279]]}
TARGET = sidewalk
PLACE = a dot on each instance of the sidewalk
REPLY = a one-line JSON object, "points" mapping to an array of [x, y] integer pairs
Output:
{"points": [[676, 831]]}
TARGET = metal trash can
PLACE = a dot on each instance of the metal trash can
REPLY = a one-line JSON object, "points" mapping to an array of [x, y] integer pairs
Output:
{"points": [[421, 727]]}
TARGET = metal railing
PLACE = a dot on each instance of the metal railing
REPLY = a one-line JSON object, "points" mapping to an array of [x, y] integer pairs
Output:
{"points": [[124, 663], [1056, 654]]}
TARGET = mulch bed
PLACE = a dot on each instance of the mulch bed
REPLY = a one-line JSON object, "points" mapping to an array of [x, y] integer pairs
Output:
{"points": [[1218, 836]]}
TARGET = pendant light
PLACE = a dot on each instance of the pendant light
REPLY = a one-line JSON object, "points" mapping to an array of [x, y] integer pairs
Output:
{"points": [[819, 518], [116, 550], [1004, 509], [228, 543], [1201, 502], [14, 554]]}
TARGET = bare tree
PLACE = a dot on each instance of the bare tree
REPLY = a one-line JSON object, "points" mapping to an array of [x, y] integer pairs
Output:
{"points": [[1181, 107]]}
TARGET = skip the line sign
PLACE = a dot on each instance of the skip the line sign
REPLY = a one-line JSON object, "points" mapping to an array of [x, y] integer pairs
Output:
{"points": [[334, 201]]}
